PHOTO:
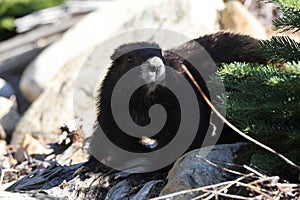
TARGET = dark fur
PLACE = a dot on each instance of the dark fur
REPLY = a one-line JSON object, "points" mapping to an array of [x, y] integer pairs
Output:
{"points": [[222, 47]]}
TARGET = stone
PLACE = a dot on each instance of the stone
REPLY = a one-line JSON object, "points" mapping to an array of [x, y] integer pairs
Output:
{"points": [[194, 170], [236, 17], [6, 90], [9, 114], [190, 18], [2, 149], [2, 133], [53, 108]]}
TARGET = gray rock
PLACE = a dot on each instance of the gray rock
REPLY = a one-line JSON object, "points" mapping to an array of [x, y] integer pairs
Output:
{"points": [[190, 18], [53, 108], [9, 115], [193, 169], [6, 90]]}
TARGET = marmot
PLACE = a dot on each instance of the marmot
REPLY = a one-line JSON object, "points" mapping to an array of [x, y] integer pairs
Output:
{"points": [[223, 47]]}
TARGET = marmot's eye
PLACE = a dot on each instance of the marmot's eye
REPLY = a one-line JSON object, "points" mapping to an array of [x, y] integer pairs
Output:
{"points": [[129, 58]]}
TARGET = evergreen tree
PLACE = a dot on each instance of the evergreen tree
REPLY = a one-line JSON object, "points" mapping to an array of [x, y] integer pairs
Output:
{"points": [[264, 101]]}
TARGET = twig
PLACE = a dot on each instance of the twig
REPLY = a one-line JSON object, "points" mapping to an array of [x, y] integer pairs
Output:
{"points": [[230, 195], [203, 195], [223, 168], [227, 186], [289, 185], [196, 189], [3, 171], [282, 190], [255, 190], [231, 125], [254, 171], [271, 179]]}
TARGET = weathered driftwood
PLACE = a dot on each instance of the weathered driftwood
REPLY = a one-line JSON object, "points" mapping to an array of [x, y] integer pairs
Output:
{"points": [[17, 52], [43, 28], [84, 180], [75, 182], [16, 63]]}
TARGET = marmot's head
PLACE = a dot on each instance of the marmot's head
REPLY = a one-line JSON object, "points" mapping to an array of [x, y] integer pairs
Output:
{"points": [[147, 56]]}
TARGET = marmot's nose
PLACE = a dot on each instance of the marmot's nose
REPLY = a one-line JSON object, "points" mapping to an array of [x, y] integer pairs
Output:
{"points": [[155, 63]]}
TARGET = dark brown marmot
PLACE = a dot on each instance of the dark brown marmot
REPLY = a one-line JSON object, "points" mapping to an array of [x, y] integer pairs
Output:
{"points": [[222, 47]]}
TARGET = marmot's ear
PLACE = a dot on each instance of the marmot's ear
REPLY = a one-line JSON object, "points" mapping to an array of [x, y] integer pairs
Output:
{"points": [[120, 51], [115, 55]]}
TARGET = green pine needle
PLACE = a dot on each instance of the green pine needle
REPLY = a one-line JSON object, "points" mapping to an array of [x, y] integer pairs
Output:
{"points": [[263, 101], [280, 49], [289, 21]]}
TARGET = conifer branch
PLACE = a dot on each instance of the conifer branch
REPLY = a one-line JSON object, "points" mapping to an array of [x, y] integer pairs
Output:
{"points": [[280, 49], [221, 117], [289, 21]]}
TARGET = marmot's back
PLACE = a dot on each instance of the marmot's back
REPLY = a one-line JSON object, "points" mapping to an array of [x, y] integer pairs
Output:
{"points": [[226, 47]]}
